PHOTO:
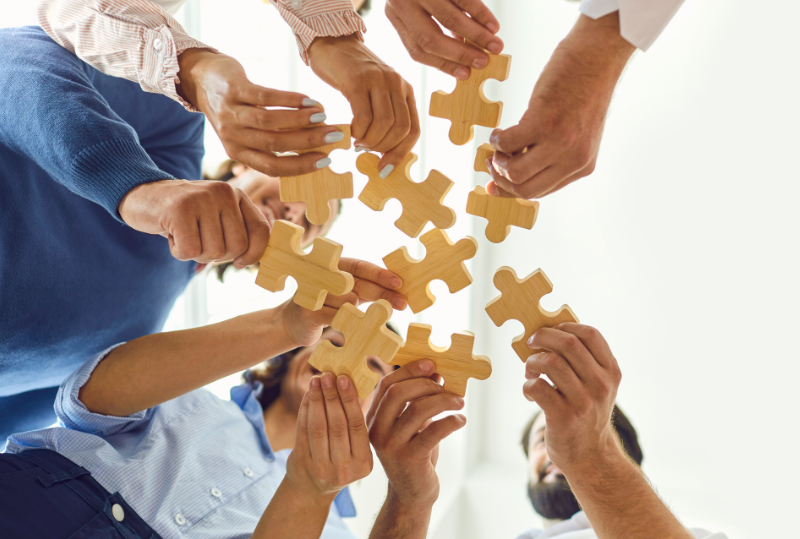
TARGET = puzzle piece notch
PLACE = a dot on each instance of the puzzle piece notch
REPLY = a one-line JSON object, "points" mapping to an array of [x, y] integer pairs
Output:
{"points": [[519, 300], [422, 202], [467, 106], [501, 212], [444, 260], [455, 363], [365, 334], [316, 273], [318, 188]]}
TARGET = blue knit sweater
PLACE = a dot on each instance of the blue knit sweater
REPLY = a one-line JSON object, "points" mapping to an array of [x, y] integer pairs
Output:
{"points": [[74, 279]]}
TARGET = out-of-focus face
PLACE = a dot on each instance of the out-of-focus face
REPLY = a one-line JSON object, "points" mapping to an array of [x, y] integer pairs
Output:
{"points": [[264, 192], [548, 489], [295, 383]]}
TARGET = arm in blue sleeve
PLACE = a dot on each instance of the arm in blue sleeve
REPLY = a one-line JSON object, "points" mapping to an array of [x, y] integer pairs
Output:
{"points": [[51, 113]]}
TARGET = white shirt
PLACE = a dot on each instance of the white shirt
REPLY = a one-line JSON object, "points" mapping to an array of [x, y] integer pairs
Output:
{"points": [[578, 527], [641, 21]]}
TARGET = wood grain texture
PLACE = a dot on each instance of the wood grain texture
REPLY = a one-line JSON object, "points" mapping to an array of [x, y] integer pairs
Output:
{"points": [[519, 300], [484, 151], [443, 260], [316, 273], [501, 212], [422, 202], [318, 188], [467, 106], [365, 334], [455, 363]]}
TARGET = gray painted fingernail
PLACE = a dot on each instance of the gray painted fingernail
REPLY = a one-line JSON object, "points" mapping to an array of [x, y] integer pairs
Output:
{"points": [[318, 117], [324, 162], [334, 136], [385, 171], [308, 102], [361, 149]]}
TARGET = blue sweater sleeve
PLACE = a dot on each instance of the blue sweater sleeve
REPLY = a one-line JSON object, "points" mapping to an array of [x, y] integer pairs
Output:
{"points": [[51, 113]]}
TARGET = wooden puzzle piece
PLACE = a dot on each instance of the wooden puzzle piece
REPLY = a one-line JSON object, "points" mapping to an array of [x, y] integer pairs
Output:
{"points": [[502, 213], [316, 273], [519, 300], [365, 334], [467, 106], [455, 363], [422, 202], [443, 260], [317, 188]]}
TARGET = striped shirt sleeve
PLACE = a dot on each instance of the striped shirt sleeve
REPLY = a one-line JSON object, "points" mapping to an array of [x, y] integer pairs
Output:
{"points": [[132, 39]]}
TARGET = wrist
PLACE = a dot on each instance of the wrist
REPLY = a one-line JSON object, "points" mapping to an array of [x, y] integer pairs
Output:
{"points": [[599, 46], [597, 461], [415, 508], [190, 66], [307, 498]]}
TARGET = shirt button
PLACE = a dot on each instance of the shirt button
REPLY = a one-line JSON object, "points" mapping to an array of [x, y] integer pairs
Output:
{"points": [[118, 512], [180, 520], [216, 492], [248, 472], [157, 44], [297, 4]]}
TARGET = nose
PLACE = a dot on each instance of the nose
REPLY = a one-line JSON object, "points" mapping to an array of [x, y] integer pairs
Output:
{"points": [[294, 211]]}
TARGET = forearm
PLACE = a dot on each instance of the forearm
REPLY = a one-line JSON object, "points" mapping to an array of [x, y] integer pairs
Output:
{"points": [[397, 520], [619, 501], [292, 514], [156, 368]]}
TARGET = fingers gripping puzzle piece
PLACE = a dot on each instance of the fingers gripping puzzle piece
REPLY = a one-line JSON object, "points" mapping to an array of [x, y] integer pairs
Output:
{"points": [[422, 202], [316, 273], [365, 334], [456, 363], [318, 188], [443, 260], [467, 106], [519, 300]]}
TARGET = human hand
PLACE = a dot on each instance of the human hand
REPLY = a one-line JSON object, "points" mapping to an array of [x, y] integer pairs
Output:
{"points": [[371, 283], [332, 446], [385, 115], [427, 44], [578, 406], [245, 116], [404, 435], [203, 221], [558, 138]]}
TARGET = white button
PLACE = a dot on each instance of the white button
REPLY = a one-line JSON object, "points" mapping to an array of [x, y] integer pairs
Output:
{"points": [[248, 472], [180, 520], [118, 512], [297, 4], [157, 44], [216, 492]]}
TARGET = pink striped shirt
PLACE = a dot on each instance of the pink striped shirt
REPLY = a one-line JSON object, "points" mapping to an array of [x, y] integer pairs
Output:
{"points": [[140, 41]]}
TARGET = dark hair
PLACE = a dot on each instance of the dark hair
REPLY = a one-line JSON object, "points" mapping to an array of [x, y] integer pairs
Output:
{"points": [[621, 424], [365, 8], [271, 373]]}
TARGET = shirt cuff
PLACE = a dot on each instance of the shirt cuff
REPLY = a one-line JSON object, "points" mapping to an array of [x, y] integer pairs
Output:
{"points": [[72, 413], [162, 46], [640, 22]]}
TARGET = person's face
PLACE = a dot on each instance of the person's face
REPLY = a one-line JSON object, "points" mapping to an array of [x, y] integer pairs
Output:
{"points": [[548, 489], [264, 192], [300, 372]]}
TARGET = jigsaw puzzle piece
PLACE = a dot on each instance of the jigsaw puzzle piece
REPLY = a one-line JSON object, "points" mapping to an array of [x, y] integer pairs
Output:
{"points": [[501, 212], [455, 363], [519, 300], [316, 273]]}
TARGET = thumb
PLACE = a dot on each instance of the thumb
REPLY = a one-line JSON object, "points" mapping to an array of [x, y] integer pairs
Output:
{"points": [[513, 139]]}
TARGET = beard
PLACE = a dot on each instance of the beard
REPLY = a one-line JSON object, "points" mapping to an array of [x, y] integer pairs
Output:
{"points": [[553, 501]]}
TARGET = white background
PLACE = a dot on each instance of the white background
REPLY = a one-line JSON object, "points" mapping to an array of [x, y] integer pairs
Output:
{"points": [[681, 249]]}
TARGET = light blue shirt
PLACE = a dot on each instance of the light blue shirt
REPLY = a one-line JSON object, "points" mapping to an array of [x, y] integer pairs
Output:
{"points": [[194, 467]]}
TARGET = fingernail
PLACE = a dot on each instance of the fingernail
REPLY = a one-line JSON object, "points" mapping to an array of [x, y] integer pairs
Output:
{"points": [[308, 102], [238, 265], [344, 382], [493, 27], [324, 162], [462, 73], [494, 48], [477, 63], [426, 365], [334, 136], [327, 379], [318, 117], [386, 171], [361, 149], [315, 382], [459, 401], [395, 282], [491, 188], [463, 417], [399, 304]]}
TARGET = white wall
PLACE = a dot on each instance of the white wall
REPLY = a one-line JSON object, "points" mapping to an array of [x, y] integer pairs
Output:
{"points": [[681, 248]]}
